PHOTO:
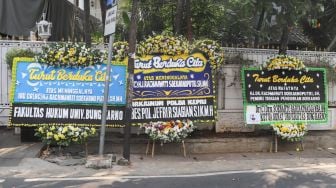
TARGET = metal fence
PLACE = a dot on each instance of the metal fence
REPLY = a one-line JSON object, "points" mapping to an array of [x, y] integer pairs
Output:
{"points": [[259, 56], [232, 56], [5, 46], [5, 73]]}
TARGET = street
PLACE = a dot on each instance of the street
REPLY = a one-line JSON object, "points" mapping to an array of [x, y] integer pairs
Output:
{"points": [[317, 176]]}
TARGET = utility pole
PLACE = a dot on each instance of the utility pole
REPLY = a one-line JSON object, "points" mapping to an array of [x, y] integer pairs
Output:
{"points": [[132, 46], [106, 94], [109, 30]]}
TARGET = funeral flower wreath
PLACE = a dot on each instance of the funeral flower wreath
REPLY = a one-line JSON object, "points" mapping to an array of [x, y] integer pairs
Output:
{"points": [[64, 135], [176, 131], [164, 45], [284, 62], [120, 50], [212, 50], [170, 45], [290, 131], [75, 54], [287, 130], [70, 55], [170, 131]]}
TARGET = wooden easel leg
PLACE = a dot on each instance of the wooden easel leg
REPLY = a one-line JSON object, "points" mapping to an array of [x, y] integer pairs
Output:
{"points": [[302, 145], [153, 148], [86, 150], [184, 150], [276, 143], [147, 148]]}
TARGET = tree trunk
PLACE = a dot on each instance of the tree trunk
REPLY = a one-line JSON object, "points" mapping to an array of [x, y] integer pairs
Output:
{"points": [[132, 46], [87, 32], [188, 17], [179, 17], [258, 28], [132, 33], [285, 34], [332, 43], [103, 10], [284, 40]]}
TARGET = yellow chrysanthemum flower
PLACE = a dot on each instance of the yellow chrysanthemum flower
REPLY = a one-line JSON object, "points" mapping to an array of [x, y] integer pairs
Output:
{"points": [[65, 129], [49, 134], [93, 130], [56, 137], [41, 130]]}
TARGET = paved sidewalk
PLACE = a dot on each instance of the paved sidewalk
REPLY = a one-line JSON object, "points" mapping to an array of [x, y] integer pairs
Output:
{"points": [[12, 151], [24, 164]]}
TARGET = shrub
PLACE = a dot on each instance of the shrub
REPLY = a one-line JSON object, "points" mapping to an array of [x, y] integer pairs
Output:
{"points": [[18, 52]]}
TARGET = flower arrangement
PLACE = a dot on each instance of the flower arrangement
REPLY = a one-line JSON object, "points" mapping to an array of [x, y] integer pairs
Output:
{"points": [[69, 54], [163, 44], [171, 131], [64, 135], [290, 131], [120, 50], [213, 51], [284, 62], [168, 45]]}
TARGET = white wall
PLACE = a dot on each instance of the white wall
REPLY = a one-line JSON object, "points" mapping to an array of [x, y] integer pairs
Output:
{"points": [[94, 7]]}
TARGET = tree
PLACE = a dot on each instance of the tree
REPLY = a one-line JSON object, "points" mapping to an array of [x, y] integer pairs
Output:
{"points": [[189, 22], [243, 22], [153, 17], [103, 10], [319, 25], [87, 31], [179, 17], [263, 6], [236, 19], [132, 46], [291, 12]]}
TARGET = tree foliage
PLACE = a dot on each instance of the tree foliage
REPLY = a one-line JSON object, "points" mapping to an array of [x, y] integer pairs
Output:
{"points": [[237, 22]]}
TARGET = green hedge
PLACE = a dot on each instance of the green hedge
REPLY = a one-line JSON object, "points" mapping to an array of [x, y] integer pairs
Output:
{"points": [[17, 52]]}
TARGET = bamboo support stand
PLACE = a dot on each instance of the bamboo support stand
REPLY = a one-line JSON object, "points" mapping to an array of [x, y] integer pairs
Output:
{"points": [[184, 150], [275, 142], [153, 148], [86, 150]]}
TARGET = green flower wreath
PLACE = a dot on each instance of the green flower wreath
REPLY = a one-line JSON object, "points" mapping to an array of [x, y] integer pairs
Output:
{"points": [[69, 55]]}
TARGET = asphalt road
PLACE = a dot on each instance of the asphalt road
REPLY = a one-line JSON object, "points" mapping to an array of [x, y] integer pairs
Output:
{"points": [[300, 178]]}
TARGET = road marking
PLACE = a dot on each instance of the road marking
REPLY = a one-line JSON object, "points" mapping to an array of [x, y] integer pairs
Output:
{"points": [[2, 180], [118, 177]]}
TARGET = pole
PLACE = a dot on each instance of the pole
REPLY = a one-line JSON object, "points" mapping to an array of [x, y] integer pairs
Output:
{"points": [[132, 46], [106, 94]]}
